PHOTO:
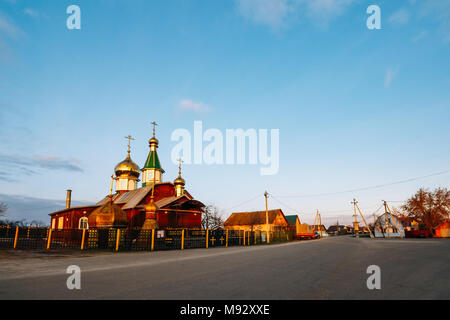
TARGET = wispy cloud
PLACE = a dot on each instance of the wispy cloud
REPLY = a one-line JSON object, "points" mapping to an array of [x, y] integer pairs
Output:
{"points": [[8, 28], [197, 107], [420, 36], [323, 11], [11, 165], [390, 75], [272, 13], [439, 10], [31, 12], [400, 17], [276, 13]]}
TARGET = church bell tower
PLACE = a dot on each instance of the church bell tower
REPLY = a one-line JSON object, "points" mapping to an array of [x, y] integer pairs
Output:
{"points": [[152, 171]]}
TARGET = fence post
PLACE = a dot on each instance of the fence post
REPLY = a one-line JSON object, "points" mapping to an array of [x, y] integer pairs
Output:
{"points": [[117, 239], [153, 239], [17, 235], [182, 239], [248, 238], [82, 239], [226, 242], [207, 238], [244, 239], [49, 238], [255, 237]]}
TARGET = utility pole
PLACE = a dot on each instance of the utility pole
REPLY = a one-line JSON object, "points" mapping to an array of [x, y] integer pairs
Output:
{"points": [[367, 226], [267, 217], [356, 226], [388, 210]]}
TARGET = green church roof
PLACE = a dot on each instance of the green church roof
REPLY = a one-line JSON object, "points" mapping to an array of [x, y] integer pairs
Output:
{"points": [[153, 161]]}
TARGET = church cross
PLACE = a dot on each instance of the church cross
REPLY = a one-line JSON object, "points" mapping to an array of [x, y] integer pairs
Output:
{"points": [[154, 127], [129, 137], [180, 161]]}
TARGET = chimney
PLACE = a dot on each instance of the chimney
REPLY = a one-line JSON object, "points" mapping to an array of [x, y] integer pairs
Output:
{"points": [[68, 198]]}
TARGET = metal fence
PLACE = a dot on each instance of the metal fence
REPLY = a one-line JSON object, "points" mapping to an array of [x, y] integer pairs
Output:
{"points": [[134, 239]]}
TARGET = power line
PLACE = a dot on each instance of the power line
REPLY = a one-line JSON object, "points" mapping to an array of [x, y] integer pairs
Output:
{"points": [[367, 188], [244, 202]]}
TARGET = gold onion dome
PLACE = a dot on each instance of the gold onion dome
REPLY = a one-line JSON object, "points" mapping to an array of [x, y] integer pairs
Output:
{"points": [[127, 166], [153, 141], [108, 215], [179, 180], [151, 206]]}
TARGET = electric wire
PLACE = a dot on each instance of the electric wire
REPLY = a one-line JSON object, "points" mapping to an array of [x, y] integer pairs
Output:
{"points": [[364, 188]]}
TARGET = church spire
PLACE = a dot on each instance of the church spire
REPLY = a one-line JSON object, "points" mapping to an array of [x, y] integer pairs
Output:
{"points": [[179, 182], [152, 171]]}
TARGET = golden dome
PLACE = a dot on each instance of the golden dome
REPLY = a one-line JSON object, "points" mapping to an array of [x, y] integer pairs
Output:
{"points": [[179, 180], [108, 215], [153, 141], [127, 166], [151, 207]]}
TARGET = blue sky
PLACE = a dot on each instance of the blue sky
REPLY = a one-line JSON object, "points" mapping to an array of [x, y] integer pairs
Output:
{"points": [[355, 107]]}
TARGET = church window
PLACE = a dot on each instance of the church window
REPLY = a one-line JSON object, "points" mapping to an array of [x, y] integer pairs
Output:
{"points": [[60, 222], [83, 224]]}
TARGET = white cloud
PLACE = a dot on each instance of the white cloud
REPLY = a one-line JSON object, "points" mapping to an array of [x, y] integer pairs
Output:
{"points": [[322, 11], [189, 105], [31, 12], [390, 75], [272, 13], [276, 13], [420, 36], [439, 10], [400, 17], [8, 28]]}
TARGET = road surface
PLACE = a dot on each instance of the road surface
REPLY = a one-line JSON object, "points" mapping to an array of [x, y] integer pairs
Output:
{"points": [[333, 268]]}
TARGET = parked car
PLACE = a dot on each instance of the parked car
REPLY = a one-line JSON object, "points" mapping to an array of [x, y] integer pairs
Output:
{"points": [[417, 234]]}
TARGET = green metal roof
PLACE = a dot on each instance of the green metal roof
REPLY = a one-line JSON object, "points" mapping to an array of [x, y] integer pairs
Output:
{"points": [[291, 219], [153, 161]]}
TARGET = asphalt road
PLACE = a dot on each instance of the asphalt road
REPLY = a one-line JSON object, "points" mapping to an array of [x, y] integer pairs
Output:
{"points": [[334, 268]]}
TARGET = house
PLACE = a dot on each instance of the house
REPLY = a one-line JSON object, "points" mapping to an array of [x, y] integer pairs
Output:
{"points": [[409, 223], [443, 231], [294, 222], [257, 221], [337, 229]]}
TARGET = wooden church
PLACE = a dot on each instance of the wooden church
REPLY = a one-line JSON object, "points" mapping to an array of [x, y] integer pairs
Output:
{"points": [[155, 205]]}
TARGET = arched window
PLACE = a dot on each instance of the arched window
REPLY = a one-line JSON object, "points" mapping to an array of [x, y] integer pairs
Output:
{"points": [[83, 224]]}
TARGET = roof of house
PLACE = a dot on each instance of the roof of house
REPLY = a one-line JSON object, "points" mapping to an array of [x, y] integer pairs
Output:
{"points": [[253, 218], [292, 219], [73, 208]]}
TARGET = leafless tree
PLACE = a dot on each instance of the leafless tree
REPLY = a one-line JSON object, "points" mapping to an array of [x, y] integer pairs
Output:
{"points": [[429, 208], [3, 208], [212, 218]]}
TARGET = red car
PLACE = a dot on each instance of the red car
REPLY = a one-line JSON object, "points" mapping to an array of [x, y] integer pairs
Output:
{"points": [[417, 234]]}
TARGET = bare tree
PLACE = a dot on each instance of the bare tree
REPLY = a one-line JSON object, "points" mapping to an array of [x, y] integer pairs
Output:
{"points": [[429, 208], [212, 218], [3, 208]]}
